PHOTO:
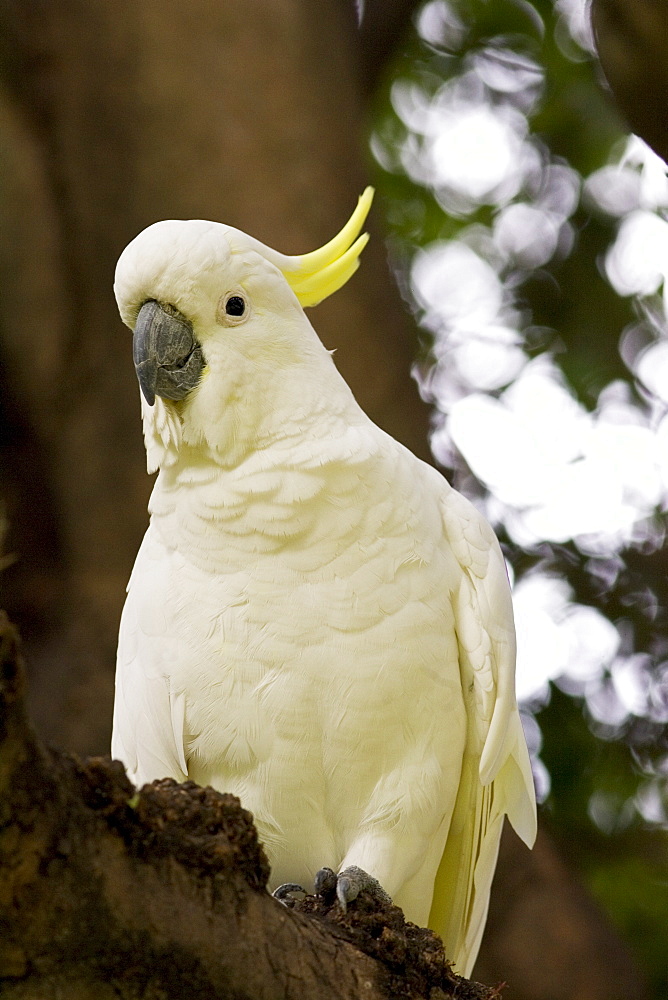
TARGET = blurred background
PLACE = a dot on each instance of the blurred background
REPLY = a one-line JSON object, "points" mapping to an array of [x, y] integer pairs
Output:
{"points": [[518, 269]]}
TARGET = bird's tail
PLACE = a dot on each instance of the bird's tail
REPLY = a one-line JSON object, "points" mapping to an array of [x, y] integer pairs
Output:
{"points": [[464, 878]]}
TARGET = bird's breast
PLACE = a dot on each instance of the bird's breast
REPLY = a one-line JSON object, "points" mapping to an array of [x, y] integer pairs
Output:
{"points": [[306, 615], [308, 598]]}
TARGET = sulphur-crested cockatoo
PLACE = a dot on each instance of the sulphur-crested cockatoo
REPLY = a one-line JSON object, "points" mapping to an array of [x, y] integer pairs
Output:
{"points": [[316, 621]]}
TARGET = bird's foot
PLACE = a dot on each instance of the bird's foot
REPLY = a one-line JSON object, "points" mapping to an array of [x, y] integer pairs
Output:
{"points": [[348, 884], [284, 893]]}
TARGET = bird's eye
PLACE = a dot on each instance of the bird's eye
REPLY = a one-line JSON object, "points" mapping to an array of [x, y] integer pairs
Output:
{"points": [[235, 306], [233, 309]]}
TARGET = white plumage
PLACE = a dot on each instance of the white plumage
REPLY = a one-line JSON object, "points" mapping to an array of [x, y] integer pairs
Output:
{"points": [[316, 621]]}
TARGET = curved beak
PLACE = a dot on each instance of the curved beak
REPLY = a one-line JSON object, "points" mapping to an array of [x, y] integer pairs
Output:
{"points": [[168, 359]]}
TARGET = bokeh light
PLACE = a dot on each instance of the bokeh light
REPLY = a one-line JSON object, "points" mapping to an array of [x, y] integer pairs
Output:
{"points": [[547, 466]]}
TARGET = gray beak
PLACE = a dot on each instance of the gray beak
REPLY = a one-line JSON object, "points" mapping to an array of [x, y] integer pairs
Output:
{"points": [[168, 359]]}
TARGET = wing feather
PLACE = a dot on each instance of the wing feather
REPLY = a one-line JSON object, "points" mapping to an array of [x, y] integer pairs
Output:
{"points": [[496, 772], [148, 728]]}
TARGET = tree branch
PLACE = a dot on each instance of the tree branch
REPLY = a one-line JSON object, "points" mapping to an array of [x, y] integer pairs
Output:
{"points": [[384, 25], [631, 43]]}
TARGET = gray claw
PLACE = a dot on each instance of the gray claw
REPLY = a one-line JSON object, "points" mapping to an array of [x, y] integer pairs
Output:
{"points": [[324, 883], [284, 893], [346, 891]]}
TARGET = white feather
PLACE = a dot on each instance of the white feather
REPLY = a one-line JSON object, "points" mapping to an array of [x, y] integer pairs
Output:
{"points": [[316, 621]]}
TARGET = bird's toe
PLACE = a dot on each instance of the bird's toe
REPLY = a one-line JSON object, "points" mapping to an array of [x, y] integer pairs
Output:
{"points": [[348, 884], [284, 893]]}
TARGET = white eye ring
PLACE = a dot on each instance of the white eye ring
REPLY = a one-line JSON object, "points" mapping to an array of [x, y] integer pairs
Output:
{"points": [[233, 309]]}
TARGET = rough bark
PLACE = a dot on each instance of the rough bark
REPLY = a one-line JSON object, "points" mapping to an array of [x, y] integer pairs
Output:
{"points": [[631, 43], [107, 893]]}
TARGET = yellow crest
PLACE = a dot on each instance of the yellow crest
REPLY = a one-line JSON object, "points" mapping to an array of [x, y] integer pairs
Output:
{"points": [[313, 276]]}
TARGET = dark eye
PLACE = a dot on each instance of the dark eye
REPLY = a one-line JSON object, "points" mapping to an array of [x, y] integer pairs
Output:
{"points": [[235, 306]]}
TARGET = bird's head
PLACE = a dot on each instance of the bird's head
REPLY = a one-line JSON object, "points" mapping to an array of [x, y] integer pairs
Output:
{"points": [[218, 321]]}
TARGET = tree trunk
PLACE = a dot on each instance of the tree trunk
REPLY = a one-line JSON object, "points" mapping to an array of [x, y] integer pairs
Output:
{"points": [[631, 43], [118, 114]]}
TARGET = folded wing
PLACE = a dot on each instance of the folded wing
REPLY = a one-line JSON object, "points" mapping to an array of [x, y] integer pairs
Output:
{"points": [[496, 775]]}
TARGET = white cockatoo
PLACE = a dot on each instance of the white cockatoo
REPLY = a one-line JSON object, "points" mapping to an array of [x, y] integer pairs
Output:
{"points": [[316, 621]]}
